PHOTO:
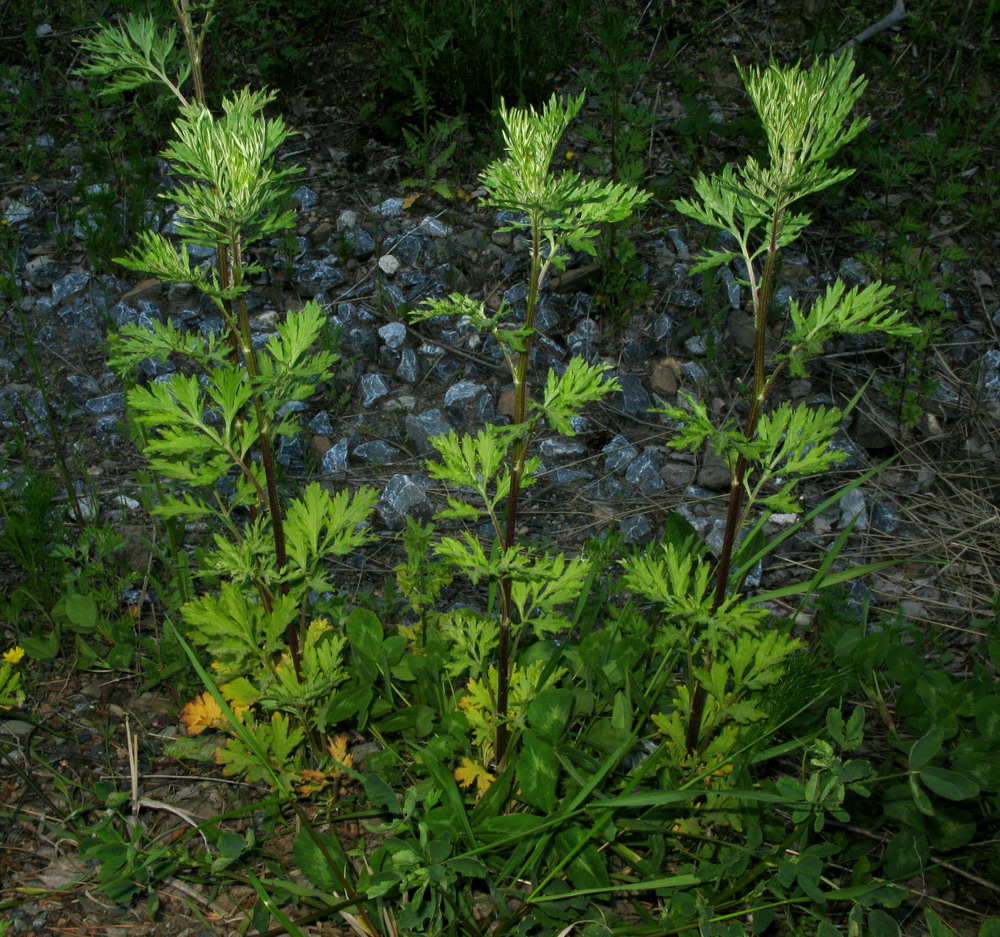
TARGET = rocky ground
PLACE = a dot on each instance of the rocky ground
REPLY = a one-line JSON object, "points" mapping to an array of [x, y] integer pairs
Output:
{"points": [[367, 249]]}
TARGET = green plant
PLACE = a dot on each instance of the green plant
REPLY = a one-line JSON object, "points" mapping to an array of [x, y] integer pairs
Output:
{"points": [[803, 113], [211, 434], [452, 57], [562, 213]]}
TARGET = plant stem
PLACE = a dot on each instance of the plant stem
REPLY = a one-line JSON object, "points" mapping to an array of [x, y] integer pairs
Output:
{"points": [[519, 453], [763, 292]]}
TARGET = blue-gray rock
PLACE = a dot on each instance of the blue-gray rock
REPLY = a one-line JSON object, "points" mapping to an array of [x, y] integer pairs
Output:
{"points": [[409, 367], [633, 398], [653, 485], [884, 518], [734, 293], [290, 453], [681, 298], [570, 476], [408, 248], [42, 272], [693, 372], [486, 412], [783, 297], [153, 368], [696, 345], [389, 207], [663, 327], [989, 375], [608, 489], [321, 424], [581, 305], [377, 452], [16, 212], [393, 334], [681, 248], [643, 467], [373, 388], [108, 403], [515, 296], [81, 387], [305, 197], [211, 325], [405, 496], [346, 219], [852, 506], [463, 394], [69, 285], [964, 347], [291, 406], [636, 529], [313, 276], [547, 319], [562, 447], [336, 458], [362, 244], [121, 313], [392, 293], [853, 272], [435, 227], [506, 218], [446, 368], [360, 339], [421, 427], [620, 452], [639, 350]]}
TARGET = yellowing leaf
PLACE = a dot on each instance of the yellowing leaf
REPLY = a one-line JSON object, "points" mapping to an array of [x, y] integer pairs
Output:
{"points": [[337, 747], [202, 713], [471, 772]]}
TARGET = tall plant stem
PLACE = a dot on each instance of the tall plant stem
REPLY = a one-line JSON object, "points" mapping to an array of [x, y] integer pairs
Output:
{"points": [[762, 294], [519, 453]]}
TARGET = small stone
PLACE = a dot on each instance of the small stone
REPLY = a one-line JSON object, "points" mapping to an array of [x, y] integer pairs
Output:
{"points": [[389, 207], [683, 298], [69, 285], [373, 388], [633, 398], [853, 272], [377, 452], [562, 447], [393, 334], [305, 196], [463, 394], [569, 476], [314, 276], [434, 227], [643, 467], [713, 475], [681, 248], [388, 264], [42, 272], [335, 459], [422, 427], [405, 496], [664, 377], [636, 529], [620, 452], [109, 403], [346, 219], [409, 367], [852, 506]]}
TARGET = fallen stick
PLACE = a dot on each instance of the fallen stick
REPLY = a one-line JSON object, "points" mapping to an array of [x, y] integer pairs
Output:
{"points": [[897, 15]]}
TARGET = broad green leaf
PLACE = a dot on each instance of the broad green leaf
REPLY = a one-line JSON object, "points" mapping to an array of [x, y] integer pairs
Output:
{"points": [[537, 771], [948, 783]]}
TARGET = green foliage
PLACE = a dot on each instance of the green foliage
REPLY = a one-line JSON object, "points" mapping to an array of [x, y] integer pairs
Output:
{"points": [[447, 57]]}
